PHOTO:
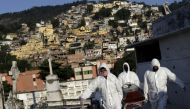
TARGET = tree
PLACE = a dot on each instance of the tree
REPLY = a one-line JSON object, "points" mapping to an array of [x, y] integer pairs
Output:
{"points": [[137, 17], [103, 12], [123, 14], [63, 73], [143, 25], [148, 13], [23, 65], [89, 8], [10, 22], [6, 61], [113, 23], [55, 23], [82, 22], [22, 42], [128, 42], [89, 45], [67, 73], [1, 36], [6, 87]]}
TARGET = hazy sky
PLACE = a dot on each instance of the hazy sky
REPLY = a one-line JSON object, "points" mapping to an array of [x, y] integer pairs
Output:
{"points": [[19, 5]]}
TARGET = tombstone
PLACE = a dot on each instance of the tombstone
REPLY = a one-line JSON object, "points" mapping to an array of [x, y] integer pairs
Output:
{"points": [[54, 96], [15, 73]]}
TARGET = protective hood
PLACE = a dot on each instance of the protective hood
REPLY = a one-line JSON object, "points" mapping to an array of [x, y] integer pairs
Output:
{"points": [[155, 62], [104, 65], [127, 66]]}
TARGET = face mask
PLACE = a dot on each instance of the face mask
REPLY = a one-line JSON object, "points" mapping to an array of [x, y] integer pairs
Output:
{"points": [[103, 72], [155, 68], [126, 68]]}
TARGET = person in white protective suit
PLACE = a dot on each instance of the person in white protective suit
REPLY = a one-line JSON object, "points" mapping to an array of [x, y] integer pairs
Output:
{"points": [[128, 76], [109, 87], [155, 84]]}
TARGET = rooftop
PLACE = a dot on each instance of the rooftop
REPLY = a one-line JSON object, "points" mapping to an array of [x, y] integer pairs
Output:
{"points": [[25, 81]]}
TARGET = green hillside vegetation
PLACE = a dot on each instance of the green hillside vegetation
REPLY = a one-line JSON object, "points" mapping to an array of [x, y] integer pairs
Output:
{"points": [[11, 22]]}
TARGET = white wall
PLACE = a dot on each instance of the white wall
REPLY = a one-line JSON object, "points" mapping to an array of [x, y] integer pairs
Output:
{"points": [[175, 52], [28, 98], [73, 90]]}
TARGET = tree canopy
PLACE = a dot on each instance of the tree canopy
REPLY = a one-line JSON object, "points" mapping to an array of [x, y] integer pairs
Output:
{"points": [[89, 8], [103, 12], [89, 45], [6, 61], [63, 73], [148, 13], [11, 22], [113, 23], [6, 87], [82, 22], [123, 14]]}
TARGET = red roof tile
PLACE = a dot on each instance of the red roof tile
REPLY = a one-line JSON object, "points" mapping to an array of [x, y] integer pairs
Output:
{"points": [[25, 82]]}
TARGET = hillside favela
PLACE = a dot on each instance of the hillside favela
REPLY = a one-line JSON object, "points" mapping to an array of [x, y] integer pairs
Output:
{"points": [[101, 54]]}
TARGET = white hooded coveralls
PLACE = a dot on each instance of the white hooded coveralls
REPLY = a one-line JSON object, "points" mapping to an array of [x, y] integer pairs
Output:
{"points": [[128, 76], [155, 85], [110, 90]]}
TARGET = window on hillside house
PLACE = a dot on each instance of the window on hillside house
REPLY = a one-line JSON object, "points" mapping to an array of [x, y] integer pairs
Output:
{"points": [[88, 72], [78, 73], [145, 53]]}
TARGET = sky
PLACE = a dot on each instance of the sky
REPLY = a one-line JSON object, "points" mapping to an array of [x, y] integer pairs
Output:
{"points": [[20, 5]]}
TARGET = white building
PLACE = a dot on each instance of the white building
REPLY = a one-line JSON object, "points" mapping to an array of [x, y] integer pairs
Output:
{"points": [[6, 42], [112, 46], [154, 8], [93, 53], [28, 98], [72, 90], [11, 36]]}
